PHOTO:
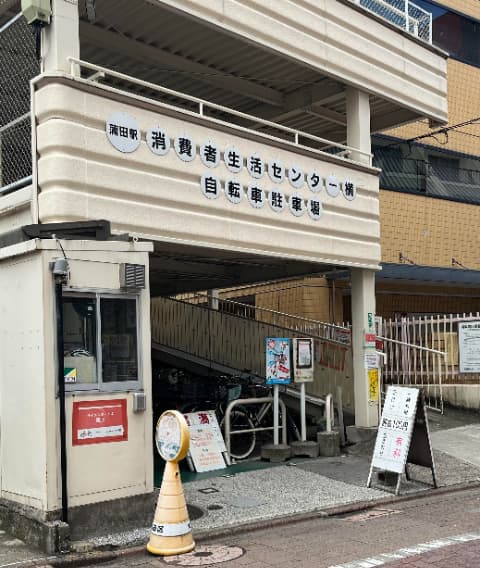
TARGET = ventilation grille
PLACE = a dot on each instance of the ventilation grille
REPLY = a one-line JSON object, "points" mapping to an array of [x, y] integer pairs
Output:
{"points": [[132, 276]]}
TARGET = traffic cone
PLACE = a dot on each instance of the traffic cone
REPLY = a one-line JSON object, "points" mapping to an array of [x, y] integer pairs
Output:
{"points": [[171, 530]]}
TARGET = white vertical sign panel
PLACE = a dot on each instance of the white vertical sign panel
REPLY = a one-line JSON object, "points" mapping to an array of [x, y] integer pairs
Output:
{"points": [[469, 346], [395, 430]]}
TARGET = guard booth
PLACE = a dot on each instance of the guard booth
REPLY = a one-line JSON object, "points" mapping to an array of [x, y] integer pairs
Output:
{"points": [[222, 171], [61, 454]]}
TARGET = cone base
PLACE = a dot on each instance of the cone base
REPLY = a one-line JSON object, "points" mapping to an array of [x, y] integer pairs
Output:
{"points": [[170, 551]]}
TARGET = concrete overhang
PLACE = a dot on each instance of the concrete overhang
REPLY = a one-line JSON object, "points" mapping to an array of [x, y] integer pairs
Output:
{"points": [[286, 62]]}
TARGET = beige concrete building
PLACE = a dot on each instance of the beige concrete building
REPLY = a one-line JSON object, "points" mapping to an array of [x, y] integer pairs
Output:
{"points": [[164, 147]]}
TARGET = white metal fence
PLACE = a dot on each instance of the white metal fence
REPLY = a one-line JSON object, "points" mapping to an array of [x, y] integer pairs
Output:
{"points": [[402, 13], [424, 352]]}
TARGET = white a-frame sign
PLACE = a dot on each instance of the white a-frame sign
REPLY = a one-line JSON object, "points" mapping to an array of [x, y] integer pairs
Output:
{"points": [[403, 437]]}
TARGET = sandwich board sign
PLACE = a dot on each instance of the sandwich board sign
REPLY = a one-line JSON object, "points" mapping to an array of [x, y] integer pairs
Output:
{"points": [[403, 437], [207, 447]]}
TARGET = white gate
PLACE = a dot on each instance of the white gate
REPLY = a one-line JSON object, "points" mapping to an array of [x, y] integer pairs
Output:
{"points": [[423, 351]]}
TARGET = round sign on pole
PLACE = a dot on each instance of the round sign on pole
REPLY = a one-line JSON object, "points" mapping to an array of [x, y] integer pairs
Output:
{"points": [[172, 436]]}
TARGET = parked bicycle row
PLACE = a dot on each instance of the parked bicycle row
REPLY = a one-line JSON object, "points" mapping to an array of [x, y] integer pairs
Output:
{"points": [[250, 422]]}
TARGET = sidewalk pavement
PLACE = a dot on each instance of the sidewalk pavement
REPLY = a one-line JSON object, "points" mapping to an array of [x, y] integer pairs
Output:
{"points": [[292, 491]]}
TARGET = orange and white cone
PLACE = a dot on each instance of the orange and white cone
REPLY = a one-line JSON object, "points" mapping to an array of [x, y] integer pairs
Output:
{"points": [[171, 530]]}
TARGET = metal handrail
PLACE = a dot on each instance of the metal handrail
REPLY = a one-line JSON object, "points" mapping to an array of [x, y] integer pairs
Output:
{"points": [[74, 62], [276, 312], [419, 347], [248, 401], [19, 184], [204, 297]]}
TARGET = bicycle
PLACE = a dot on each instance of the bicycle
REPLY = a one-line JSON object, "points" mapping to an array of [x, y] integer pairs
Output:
{"points": [[241, 425], [246, 419], [262, 414]]}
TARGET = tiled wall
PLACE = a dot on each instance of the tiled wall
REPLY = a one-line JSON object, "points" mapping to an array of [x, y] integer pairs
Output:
{"points": [[394, 299], [463, 104], [467, 7], [429, 231]]}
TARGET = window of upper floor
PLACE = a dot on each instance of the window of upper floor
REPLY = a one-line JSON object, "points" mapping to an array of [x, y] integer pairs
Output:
{"points": [[456, 33]]}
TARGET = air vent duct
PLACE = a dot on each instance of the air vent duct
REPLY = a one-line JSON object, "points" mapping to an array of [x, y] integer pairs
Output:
{"points": [[132, 276]]}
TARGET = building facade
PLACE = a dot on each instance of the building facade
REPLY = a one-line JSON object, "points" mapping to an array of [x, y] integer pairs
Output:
{"points": [[174, 146]]}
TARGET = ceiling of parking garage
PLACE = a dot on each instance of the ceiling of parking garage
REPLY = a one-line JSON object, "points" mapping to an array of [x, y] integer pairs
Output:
{"points": [[148, 40], [179, 268], [151, 41]]}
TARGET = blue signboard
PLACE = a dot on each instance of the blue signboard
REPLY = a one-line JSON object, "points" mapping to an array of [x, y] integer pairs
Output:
{"points": [[278, 361]]}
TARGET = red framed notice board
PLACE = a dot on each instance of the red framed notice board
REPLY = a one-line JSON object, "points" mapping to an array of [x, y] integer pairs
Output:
{"points": [[99, 422]]}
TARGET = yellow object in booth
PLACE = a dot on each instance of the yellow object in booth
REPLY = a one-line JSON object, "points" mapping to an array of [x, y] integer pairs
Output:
{"points": [[171, 530]]}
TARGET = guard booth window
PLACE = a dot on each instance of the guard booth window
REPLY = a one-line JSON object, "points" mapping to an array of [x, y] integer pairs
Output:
{"points": [[100, 335]]}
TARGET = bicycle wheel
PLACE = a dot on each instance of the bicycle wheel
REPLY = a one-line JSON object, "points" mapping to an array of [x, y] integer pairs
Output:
{"points": [[241, 445]]}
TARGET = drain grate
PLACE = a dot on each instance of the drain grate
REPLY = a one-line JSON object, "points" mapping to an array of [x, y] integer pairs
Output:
{"points": [[370, 514], [206, 556]]}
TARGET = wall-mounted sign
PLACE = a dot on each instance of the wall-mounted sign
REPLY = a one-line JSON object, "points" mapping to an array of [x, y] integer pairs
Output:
{"points": [[70, 374], [373, 386], [469, 346], [371, 322], [331, 355], [332, 186], [278, 361], [371, 360], [123, 132], [343, 335], [99, 421], [158, 141], [370, 339]]}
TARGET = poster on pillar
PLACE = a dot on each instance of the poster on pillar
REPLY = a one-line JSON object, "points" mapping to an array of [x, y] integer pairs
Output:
{"points": [[278, 369]]}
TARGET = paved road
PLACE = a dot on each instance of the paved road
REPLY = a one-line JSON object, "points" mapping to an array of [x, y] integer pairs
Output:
{"points": [[438, 531]]}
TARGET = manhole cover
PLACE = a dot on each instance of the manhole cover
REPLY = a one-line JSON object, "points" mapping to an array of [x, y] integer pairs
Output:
{"points": [[206, 556], [246, 502], [371, 514]]}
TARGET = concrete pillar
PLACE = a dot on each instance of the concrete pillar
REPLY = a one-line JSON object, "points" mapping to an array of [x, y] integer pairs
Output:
{"points": [[213, 299], [61, 39], [358, 123], [363, 318]]}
